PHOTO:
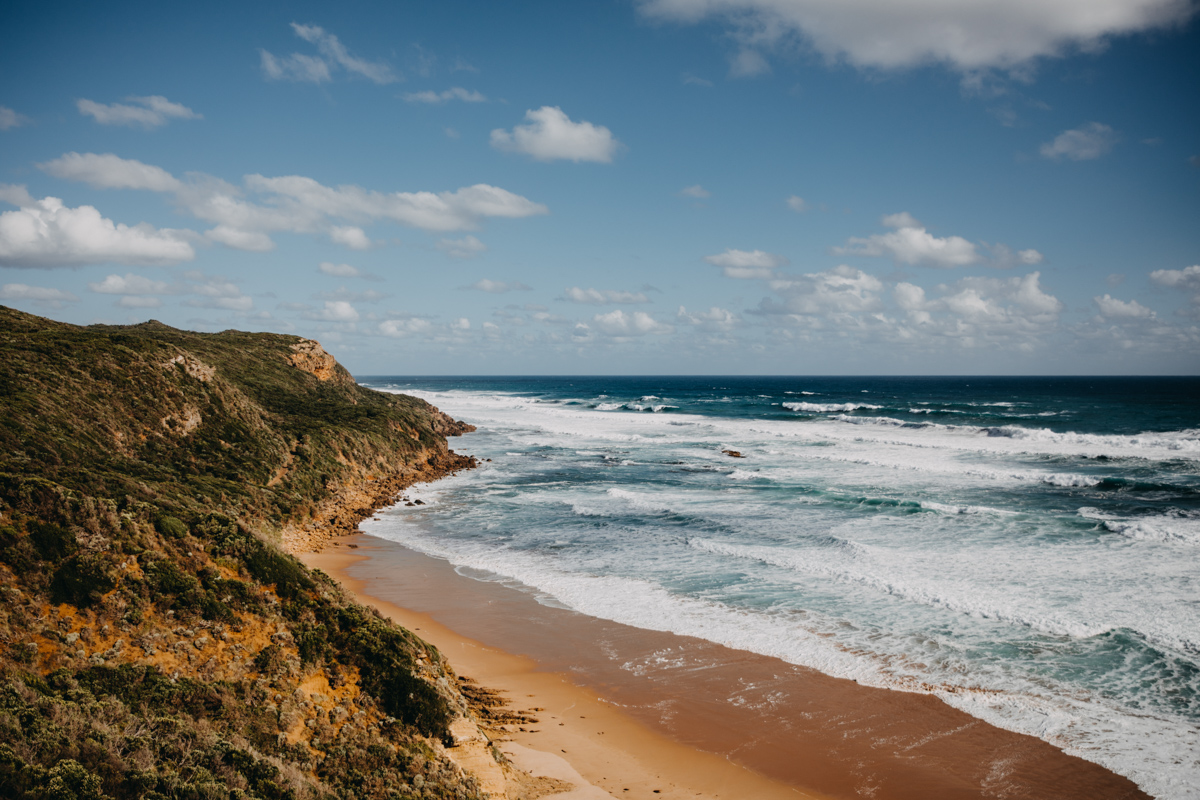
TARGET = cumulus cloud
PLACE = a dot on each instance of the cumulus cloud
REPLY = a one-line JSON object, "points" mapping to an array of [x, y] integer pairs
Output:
{"points": [[351, 236], [1183, 280], [109, 171], [148, 112], [295, 203], [129, 283], [598, 297], [551, 135], [836, 292], [338, 270], [896, 34], [39, 295], [797, 204], [697, 191], [10, 119], [466, 247], [714, 319], [453, 93], [747, 263], [333, 55], [1112, 308], [1081, 144], [911, 243], [1187, 279], [46, 234], [335, 311], [239, 239], [408, 326], [617, 323], [498, 287]]}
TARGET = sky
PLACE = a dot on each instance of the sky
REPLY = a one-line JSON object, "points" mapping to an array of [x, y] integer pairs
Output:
{"points": [[864, 187]]}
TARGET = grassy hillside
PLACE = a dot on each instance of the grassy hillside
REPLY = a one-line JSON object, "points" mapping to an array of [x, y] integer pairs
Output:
{"points": [[155, 641]]}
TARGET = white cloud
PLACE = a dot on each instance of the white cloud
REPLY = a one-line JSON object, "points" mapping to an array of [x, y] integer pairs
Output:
{"points": [[1187, 279], [838, 291], [697, 191], [714, 319], [1112, 308], [333, 55], [251, 241], [48, 234], [128, 284], [109, 171], [41, 295], [693, 80], [336, 311], [453, 93], [461, 324], [149, 112], [902, 219], [597, 297], [910, 243], [410, 326], [351, 236], [295, 197], [551, 135], [466, 247], [747, 263], [16, 195], [892, 34], [638, 323], [296, 67], [797, 204], [497, 287], [10, 119], [293, 203], [338, 270], [1081, 144], [1030, 257]]}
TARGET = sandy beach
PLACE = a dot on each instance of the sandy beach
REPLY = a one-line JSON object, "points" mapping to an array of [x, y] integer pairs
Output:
{"points": [[626, 712]]}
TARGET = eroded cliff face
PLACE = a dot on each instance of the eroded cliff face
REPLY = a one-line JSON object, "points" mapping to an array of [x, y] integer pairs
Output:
{"points": [[153, 629]]}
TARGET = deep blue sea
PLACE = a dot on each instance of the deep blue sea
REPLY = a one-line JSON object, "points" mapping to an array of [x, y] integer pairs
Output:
{"points": [[1026, 549]]}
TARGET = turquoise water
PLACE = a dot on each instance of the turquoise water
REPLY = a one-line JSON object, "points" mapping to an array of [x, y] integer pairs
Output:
{"points": [[1028, 550]]}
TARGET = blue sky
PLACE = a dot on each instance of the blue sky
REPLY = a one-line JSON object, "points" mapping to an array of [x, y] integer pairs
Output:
{"points": [[637, 186]]}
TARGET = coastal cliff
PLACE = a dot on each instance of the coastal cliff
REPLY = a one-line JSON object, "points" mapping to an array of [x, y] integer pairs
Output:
{"points": [[157, 640]]}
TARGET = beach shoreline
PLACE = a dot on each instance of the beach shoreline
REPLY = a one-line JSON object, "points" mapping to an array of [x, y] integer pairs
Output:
{"points": [[579, 737], [689, 718]]}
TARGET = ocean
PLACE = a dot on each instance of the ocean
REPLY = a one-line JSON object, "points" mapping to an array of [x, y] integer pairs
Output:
{"points": [[1025, 549]]}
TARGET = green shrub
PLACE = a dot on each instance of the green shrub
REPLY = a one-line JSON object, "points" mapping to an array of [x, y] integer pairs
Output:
{"points": [[52, 541], [171, 527], [81, 580]]}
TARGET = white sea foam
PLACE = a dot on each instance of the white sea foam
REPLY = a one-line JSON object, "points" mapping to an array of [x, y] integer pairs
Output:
{"points": [[1157, 528], [822, 408]]}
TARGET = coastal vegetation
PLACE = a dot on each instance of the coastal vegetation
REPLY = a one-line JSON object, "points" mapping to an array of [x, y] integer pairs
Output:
{"points": [[157, 639]]}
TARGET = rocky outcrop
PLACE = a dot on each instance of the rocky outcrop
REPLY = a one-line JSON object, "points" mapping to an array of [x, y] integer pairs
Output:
{"points": [[309, 356], [358, 498]]}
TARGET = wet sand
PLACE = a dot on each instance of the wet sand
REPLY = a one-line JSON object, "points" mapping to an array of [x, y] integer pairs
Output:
{"points": [[629, 711]]}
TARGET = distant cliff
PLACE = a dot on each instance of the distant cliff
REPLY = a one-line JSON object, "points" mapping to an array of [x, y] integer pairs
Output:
{"points": [[156, 640]]}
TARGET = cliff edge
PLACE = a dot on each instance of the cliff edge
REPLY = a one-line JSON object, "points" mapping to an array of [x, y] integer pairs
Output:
{"points": [[156, 640]]}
